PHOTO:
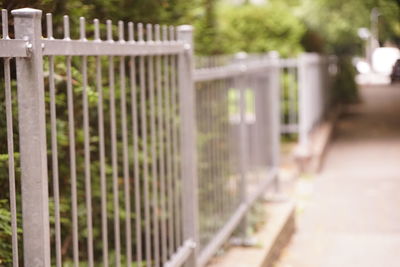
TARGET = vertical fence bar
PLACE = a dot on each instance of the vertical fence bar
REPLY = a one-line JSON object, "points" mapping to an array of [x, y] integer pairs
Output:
{"points": [[225, 154], [143, 119], [226, 132], [54, 149], [175, 146], [10, 144], [240, 84], [161, 137], [283, 100], [32, 131], [103, 183], [135, 137], [168, 144], [125, 162], [321, 88], [221, 148], [243, 157], [325, 83], [153, 152], [114, 152], [72, 150], [209, 99], [218, 148], [88, 183], [293, 97], [260, 114], [188, 141], [214, 156], [124, 131]]}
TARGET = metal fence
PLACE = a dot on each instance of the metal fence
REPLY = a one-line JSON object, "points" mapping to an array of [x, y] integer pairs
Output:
{"points": [[315, 80], [104, 115], [120, 152], [306, 86], [244, 103], [238, 148]]}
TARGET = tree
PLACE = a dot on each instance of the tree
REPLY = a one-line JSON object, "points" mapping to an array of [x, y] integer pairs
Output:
{"points": [[338, 21], [258, 29]]}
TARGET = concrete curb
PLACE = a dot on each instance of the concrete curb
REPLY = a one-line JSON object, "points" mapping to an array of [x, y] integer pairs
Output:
{"points": [[320, 138], [272, 238], [282, 237]]}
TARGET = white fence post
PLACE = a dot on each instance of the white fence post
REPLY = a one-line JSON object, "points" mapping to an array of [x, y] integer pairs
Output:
{"points": [[32, 132], [275, 110], [243, 157], [304, 103], [274, 98], [240, 84], [188, 142]]}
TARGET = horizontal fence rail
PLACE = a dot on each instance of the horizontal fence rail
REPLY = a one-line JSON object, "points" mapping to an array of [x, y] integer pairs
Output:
{"points": [[120, 148]]}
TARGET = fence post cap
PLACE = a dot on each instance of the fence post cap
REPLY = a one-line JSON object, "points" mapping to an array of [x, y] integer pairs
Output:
{"points": [[273, 54], [26, 12], [241, 55], [185, 28]]}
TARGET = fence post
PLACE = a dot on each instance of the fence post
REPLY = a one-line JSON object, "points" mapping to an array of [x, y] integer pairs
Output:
{"points": [[32, 134], [303, 103], [240, 85], [275, 113], [319, 89], [243, 157], [188, 142]]}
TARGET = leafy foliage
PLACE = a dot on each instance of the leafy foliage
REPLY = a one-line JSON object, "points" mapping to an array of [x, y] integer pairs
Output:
{"points": [[258, 29], [345, 87], [337, 22]]}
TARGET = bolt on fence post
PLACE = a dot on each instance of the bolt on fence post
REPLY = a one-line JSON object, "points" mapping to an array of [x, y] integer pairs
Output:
{"points": [[188, 142], [32, 135], [275, 114]]}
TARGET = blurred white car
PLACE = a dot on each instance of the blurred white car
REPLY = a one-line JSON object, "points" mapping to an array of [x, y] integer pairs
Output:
{"points": [[383, 59], [362, 66]]}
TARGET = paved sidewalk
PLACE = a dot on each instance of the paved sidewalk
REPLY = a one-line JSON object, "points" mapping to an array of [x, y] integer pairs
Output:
{"points": [[352, 218]]}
